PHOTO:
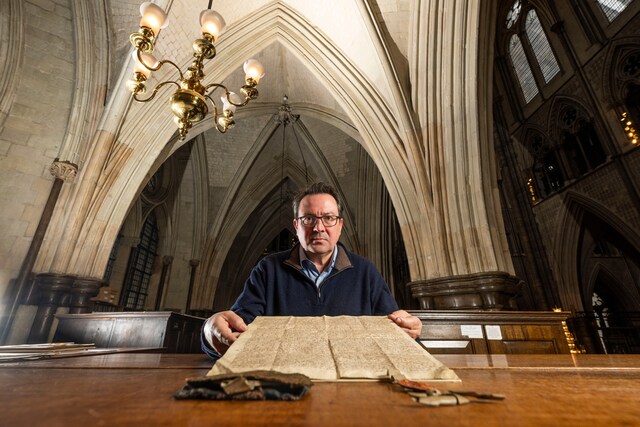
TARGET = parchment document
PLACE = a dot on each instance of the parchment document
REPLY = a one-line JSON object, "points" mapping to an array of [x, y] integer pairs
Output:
{"points": [[331, 348]]}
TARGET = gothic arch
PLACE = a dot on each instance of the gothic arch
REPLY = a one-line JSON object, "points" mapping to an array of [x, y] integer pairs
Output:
{"points": [[614, 78], [624, 299], [239, 202], [139, 146], [566, 241], [559, 106]]}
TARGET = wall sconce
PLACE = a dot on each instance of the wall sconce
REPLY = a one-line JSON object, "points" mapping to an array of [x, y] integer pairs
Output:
{"points": [[189, 101]]}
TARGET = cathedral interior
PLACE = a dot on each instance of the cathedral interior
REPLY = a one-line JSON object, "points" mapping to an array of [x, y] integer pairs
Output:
{"points": [[486, 153]]}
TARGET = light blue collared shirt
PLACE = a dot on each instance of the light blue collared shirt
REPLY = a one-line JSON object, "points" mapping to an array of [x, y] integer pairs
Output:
{"points": [[309, 268]]}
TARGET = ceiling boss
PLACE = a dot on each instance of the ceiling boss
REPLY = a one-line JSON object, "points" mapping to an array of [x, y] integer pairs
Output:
{"points": [[189, 102]]}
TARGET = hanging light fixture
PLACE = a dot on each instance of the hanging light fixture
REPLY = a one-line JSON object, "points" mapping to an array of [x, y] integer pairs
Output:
{"points": [[286, 118], [189, 101]]}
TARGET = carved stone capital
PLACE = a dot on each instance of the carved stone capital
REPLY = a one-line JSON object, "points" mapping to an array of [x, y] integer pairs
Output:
{"points": [[481, 291], [194, 262], [64, 170], [167, 260]]}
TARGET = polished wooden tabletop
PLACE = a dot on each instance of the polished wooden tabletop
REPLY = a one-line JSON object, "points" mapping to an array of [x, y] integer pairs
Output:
{"points": [[137, 389]]}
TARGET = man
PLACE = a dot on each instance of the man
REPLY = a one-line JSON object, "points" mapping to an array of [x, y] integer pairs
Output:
{"points": [[317, 277]]}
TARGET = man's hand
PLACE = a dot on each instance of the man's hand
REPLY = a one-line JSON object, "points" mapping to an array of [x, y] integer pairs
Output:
{"points": [[223, 329], [410, 324]]}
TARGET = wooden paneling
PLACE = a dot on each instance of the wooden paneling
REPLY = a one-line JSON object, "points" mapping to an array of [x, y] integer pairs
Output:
{"points": [[492, 332], [177, 333]]}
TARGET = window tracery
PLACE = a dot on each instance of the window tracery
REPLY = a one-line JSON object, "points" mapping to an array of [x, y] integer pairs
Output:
{"points": [[580, 142], [541, 47], [532, 58]]}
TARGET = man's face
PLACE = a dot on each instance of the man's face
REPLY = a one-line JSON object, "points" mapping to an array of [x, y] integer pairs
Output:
{"points": [[318, 239]]}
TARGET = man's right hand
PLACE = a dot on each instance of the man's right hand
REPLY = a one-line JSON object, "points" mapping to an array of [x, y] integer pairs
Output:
{"points": [[223, 329]]}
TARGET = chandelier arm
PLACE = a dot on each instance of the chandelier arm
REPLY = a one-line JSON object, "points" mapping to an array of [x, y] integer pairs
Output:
{"points": [[155, 91], [246, 101], [226, 91], [216, 86], [160, 64], [166, 61], [215, 107]]}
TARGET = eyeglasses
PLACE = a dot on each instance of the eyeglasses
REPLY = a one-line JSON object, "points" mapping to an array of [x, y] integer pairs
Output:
{"points": [[311, 220]]}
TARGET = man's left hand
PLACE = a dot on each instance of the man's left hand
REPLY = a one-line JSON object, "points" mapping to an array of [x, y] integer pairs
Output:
{"points": [[410, 324]]}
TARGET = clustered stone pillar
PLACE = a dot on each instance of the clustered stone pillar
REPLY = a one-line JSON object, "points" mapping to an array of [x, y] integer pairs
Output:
{"points": [[55, 290], [479, 291]]}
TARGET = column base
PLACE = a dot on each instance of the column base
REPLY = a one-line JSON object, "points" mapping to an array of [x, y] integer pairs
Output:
{"points": [[480, 291]]}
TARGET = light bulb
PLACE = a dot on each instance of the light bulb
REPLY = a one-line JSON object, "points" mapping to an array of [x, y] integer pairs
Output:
{"points": [[233, 97], [149, 61], [153, 16], [211, 22], [253, 69]]}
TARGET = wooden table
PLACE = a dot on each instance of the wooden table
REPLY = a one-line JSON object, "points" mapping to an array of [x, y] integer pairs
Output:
{"points": [[137, 389]]}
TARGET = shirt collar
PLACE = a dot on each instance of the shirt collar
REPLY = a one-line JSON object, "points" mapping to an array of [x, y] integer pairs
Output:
{"points": [[305, 262]]}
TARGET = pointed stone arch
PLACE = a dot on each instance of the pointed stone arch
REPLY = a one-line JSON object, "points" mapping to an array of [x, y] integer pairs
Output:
{"points": [[239, 202], [566, 243], [141, 140], [613, 77], [559, 105], [625, 300]]}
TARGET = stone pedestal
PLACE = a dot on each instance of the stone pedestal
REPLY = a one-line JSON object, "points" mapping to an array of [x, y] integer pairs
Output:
{"points": [[55, 290], [52, 291], [481, 291]]}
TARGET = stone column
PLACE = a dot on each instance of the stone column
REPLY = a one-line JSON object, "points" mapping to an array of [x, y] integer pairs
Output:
{"points": [[52, 291]]}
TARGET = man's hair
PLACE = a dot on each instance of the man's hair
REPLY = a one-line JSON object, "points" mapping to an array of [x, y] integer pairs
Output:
{"points": [[316, 188]]}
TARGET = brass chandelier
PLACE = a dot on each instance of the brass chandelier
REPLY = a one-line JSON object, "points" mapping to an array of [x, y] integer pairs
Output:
{"points": [[189, 102]]}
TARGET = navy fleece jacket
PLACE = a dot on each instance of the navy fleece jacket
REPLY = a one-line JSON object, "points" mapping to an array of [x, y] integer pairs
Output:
{"points": [[278, 287]]}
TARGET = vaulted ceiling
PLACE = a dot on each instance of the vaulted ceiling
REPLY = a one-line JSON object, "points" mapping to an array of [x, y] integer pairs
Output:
{"points": [[303, 45]]}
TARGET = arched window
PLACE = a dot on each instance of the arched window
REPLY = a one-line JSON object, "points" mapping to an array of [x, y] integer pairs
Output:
{"points": [[613, 8], [579, 141], [522, 69], [136, 282], [530, 52], [540, 46]]}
